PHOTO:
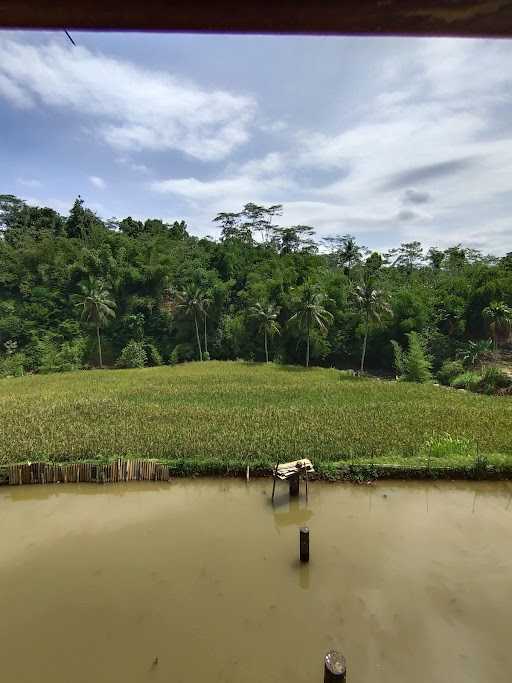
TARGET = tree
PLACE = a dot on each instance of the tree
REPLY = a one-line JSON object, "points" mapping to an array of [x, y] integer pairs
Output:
{"points": [[294, 239], [311, 312], [412, 365], [346, 252], [373, 303], [266, 319], [190, 300], [97, 307], [499, 317], [205, 305], [435, 257]]}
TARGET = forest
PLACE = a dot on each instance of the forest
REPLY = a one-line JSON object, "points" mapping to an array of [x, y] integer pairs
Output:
{"points": [[78, 292]]}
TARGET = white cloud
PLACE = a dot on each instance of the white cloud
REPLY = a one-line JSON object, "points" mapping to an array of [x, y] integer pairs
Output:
{"points": [[97, 182], [132, 108]]}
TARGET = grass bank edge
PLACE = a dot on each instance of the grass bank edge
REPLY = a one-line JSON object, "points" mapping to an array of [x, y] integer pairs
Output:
{"points": [[481, 467]]}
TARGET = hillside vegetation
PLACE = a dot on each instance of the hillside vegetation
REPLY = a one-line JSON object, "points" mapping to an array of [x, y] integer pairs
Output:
{"points": [[238, 412]]}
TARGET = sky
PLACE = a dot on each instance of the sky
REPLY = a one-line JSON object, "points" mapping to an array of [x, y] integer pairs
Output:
{"points": [[388, 139]]}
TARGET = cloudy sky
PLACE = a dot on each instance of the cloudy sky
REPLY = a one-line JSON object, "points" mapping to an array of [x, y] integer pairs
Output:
{"points": [[388, 139]]}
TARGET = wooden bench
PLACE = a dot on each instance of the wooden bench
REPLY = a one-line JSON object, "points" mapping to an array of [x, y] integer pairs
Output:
{"points": [[292, 472]]}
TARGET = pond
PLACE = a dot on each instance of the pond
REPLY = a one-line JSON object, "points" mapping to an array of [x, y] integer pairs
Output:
{"points": [[199, 580]]}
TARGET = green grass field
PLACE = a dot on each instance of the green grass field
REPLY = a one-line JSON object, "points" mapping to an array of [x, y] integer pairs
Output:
{"points": [[235, 413]]}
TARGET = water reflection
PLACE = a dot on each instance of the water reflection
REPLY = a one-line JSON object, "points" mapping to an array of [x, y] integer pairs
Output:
{"points": [[288, 511]]}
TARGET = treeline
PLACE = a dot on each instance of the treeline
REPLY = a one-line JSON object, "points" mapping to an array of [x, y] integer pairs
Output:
{"points": [[149, 292]]}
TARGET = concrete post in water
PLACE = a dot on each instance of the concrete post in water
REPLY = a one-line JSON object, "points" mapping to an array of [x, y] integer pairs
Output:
{"points": [[304, 544], [294, 485], [335, 668]]}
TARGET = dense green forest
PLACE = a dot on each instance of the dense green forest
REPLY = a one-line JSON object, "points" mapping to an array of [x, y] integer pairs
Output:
{"points": [[150, 292]]}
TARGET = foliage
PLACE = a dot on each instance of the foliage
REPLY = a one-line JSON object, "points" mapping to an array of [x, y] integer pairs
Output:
{"points": [[58, 272], [64, 358], [231, 411], [499, 317], [449, 371], [466, 380], [132, 356], [448, 446], [412, 365], [492, 380], [12, 365], [475, 352], [153, 355]]}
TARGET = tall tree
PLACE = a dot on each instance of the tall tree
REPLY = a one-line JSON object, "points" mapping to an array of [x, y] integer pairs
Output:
{"points": [[346, 252], [373, 303], [311, 312], [190, 301], [97, 307], [499, 317], [266, 317]]}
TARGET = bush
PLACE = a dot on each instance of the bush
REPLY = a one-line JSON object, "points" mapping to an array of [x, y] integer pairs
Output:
{"points": [[449, 371], [206, 355], [181, 353], [12, 365], [47, 357], [132, 356], [492, 380], [466, 380], [153, 354]]}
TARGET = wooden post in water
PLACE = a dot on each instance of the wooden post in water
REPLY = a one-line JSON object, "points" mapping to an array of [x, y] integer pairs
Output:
{"points": [[335, 667], [304, 544], [294, 485]]}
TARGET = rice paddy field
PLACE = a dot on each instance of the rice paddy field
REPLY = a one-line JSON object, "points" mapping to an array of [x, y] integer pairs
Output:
{"points": [[230, 414]]}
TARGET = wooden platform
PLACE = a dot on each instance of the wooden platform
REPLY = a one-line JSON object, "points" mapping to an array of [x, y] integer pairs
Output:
{"points": [[289, 469]]}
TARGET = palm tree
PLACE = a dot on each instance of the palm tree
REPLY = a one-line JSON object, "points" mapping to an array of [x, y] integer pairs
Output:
{"points": [[373, 303], [499, 316], [267, 322], [97, 306], [205, 305], [190, 300], [311, 312]]}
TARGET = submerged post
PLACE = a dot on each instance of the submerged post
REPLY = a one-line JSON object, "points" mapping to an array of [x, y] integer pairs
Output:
{"points": [[304, 544], [335, 667], [294, 485]]}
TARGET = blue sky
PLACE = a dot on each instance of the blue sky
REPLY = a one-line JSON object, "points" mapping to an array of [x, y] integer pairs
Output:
{"points": [[388, 139]]}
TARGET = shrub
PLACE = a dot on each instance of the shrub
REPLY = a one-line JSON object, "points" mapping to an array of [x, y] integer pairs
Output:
{"points": [[449, 371], [153, 354], [492, 380], [47, 357], [12, 365], [181, 353], [132, 356], [206, 355], [466, 380]]}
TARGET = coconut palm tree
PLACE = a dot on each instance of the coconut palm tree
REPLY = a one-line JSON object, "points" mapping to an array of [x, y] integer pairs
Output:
{"points": [[97, 307], [206, 302], [311, 312], [499, 317], [266, 317], [373, 303], [190, 301]]}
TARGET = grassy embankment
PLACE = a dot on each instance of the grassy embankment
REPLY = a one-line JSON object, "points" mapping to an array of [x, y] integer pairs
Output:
{"points": [[220, 416]]}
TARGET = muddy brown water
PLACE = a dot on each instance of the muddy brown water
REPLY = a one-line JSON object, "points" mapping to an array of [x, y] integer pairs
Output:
{"points": [[200, 581]]}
